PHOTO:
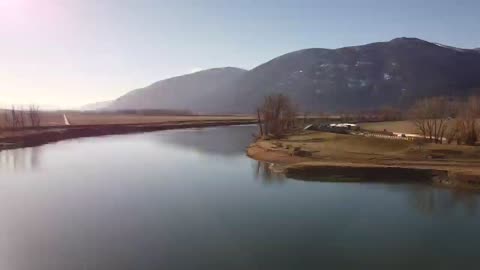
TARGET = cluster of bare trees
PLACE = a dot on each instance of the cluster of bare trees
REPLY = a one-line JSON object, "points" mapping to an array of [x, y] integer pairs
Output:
{"points": [[276, 116], [21, 118], [34, 115], [430, 117], [438, 119], [466, 128]]}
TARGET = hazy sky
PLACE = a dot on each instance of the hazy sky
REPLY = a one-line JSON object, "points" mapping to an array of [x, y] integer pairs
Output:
{"points": [[72, 52]]}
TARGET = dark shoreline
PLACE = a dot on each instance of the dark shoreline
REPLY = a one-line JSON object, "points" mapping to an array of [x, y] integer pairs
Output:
{"points": [[45, 135], [308, 169]]}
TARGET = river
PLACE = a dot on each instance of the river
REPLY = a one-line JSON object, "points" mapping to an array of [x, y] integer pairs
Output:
{"points": [[191, 199]]}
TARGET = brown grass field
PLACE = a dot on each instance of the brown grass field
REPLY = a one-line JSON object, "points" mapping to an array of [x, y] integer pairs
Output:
{"points": [[392, 126], [351, 148], [327, 150], [405, 126], [87, 124], [52, 119], [83, 119]]}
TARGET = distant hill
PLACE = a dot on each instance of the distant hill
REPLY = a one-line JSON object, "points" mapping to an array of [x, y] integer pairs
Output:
{"points": [[393, 73], [196, 92], [96, 106]]}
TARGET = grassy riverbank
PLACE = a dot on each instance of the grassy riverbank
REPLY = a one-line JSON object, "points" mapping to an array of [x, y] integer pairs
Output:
{"points": [[110, 125], [322, 155]]}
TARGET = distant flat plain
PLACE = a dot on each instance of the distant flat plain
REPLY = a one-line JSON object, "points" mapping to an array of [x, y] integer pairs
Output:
{"points": [[89, 118], [88, 124]]}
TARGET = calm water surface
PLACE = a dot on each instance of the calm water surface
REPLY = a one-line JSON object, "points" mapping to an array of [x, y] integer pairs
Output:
{"points": [[191, 199]]}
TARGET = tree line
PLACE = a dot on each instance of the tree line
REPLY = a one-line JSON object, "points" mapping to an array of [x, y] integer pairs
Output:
{"points": [[19, 118], [439, 119], [276, 116]]}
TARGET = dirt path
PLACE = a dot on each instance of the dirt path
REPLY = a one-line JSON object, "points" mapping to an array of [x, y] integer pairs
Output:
{"points": [[65, 119]]}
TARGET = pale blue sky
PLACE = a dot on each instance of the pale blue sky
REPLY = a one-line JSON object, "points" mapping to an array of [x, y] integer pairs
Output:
{"points": [[72, 52]]}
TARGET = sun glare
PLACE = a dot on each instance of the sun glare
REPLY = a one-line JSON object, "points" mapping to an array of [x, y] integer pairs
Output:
{"points": [[9, 5], [12, 11]]}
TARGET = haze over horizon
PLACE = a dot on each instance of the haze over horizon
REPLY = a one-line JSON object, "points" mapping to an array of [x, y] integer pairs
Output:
{"points": [[70, 53]]}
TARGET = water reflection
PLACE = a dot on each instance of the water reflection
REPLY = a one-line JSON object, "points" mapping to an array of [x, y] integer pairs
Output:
{"points": [[430, 200], [20, 159], [422, 195], [266, 172], [226, 142], [118, 203]]}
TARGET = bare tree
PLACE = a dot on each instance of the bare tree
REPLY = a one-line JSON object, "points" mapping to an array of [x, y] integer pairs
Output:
{"points": [[3, 119], [466, 128], [17, 118], [21, 118], [453, 134], [34, 115], [259, 120], [6, 120], [11, 118], [430, 116], [276, 116]]}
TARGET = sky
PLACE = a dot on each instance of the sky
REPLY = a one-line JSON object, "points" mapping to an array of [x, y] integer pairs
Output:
{"points": [[68, 53]]}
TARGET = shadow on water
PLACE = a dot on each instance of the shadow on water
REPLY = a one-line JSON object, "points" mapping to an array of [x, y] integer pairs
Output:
{"points": [[223, 141], [422, 195], [22, 159], [359, 174]]}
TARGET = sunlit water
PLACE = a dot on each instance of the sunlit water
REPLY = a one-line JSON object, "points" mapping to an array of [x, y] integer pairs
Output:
{"points": [[191, 199]]}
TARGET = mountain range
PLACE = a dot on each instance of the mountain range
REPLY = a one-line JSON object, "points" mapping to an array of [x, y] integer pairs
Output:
{"points": [[393, 73], [96, 106], [197, 92]]}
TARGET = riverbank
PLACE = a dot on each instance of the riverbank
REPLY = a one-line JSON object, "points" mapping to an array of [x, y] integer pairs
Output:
{"points": [[326, 156], [42, 135]]}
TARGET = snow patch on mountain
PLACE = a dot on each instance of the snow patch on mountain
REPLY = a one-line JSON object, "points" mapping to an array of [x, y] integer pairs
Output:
{"points": [[450, 47]]}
